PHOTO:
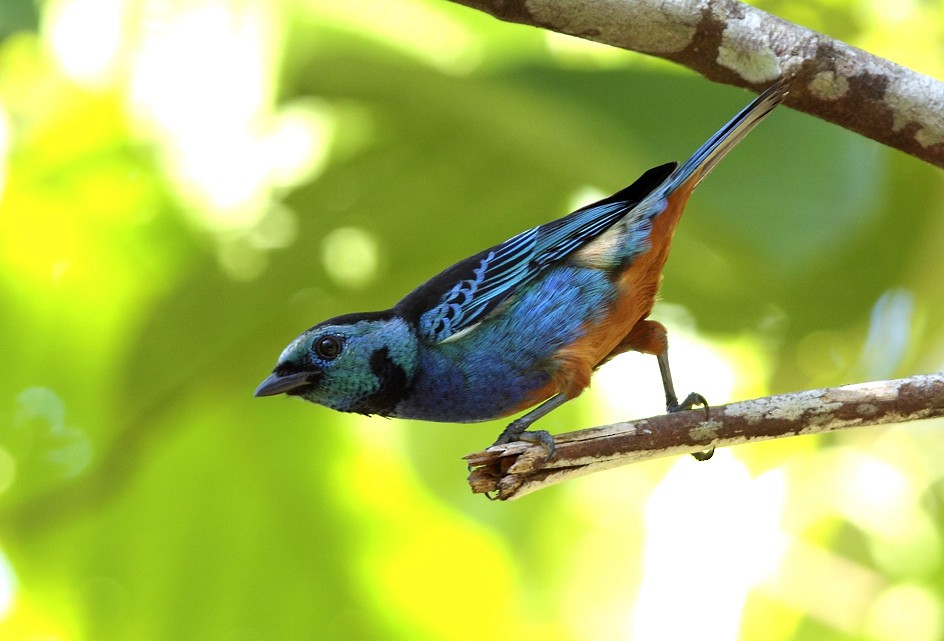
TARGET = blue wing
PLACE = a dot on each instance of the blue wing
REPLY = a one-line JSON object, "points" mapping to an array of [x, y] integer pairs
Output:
{"points": [[467, 292]]}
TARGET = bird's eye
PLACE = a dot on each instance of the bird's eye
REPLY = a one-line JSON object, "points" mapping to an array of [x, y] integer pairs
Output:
{"points": [[328, 347]]}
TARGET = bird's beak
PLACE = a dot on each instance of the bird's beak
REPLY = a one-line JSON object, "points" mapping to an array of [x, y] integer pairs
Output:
{"points": [[281, 384]]}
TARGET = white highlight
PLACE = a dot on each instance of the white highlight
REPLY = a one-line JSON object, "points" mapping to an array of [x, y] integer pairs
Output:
{"points": [[85, 37], [8, 586], [712, 534]]}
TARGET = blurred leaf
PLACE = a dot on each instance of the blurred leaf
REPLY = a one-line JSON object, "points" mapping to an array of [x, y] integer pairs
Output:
{"points": [[18, 15], [144, 494]]}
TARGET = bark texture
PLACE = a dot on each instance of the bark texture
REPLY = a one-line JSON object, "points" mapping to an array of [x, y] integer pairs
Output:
{"points": [[733, 43], [514, 470]]}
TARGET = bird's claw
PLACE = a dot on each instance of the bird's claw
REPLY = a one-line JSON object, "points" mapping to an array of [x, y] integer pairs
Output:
{"points": [[542, 438], [691, 401], [704, 455], [518, 432]]}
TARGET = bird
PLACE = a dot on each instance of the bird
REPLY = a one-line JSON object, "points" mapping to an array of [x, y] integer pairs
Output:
{"points": [[523, 324]]}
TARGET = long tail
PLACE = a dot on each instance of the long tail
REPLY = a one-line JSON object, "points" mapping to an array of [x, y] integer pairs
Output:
{"points": [[693, 170]]}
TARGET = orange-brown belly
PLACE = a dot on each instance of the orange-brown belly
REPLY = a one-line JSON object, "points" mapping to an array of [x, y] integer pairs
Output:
{"points": [[638, 285]]}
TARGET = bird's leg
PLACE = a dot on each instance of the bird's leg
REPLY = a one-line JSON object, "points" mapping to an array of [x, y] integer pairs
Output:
{"points": [[671, 400], [649, 337], [516, 429]]}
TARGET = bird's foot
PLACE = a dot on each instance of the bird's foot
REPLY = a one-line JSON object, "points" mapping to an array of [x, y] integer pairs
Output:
{"points": [[691, 401], [704, 455], [542, 438], [517, 431]]}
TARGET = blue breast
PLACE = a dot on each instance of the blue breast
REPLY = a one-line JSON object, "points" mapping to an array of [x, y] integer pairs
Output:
{"points": [[489, 371]]}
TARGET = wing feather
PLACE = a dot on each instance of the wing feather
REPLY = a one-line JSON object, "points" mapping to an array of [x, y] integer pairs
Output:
{"points": [[463, 295]]}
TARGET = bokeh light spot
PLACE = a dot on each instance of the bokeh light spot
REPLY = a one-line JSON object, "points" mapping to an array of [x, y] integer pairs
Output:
{"points": [[350, 256], [889, 334], [85, 37], [240, 259], [880, 498], [8, 586], [277, 229], [41, 415], [40, 403], [712, 533], [208, 105], [874, 494], [905, 610], [297, 146], [584, 196]]}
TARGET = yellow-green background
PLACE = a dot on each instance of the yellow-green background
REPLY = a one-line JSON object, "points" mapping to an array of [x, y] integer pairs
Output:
{"points": [[186, 185]]}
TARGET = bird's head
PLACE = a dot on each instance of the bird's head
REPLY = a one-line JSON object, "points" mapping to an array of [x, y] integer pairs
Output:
{"points": [[355, 363]]}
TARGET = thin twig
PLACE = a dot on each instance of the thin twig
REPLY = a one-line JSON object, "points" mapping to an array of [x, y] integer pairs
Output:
{"points": [[730, 42], [516, 469]]}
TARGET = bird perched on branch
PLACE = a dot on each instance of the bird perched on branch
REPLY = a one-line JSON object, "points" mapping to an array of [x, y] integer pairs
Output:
{"points": [[524, 322]]}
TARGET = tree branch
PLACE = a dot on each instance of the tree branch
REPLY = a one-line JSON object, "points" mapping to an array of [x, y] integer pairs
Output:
{"points": [[516, 469], [732, 43]]}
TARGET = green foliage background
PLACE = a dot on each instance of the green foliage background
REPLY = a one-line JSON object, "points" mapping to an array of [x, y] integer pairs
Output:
{"points": [[144, 494]]}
